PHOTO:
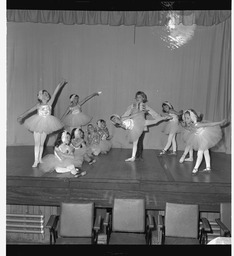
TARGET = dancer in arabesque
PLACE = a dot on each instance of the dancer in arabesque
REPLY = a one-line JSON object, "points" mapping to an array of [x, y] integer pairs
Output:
{"points": [[135, 124]]}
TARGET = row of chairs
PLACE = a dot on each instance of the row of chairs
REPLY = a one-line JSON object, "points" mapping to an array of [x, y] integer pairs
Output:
{"points": [[127, 222]]}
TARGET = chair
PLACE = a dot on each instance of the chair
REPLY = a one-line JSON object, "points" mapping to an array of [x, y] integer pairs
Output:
{"points": [[224, 222], [128, 222], [180, 225], [74, 225]]}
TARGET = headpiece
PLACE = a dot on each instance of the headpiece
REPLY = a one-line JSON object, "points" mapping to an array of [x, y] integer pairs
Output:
{"points": [[192, 115], [168, 104], [73, 97]]}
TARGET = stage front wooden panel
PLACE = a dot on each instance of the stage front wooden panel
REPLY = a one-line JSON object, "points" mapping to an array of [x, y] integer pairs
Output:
{"points": [[157, 179]]}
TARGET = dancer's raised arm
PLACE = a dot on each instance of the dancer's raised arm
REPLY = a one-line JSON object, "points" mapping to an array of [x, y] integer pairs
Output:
{"points": [[59, 86], [89, 97]]}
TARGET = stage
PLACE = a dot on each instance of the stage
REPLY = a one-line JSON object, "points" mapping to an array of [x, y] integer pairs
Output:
{"points": [[157, 179]]}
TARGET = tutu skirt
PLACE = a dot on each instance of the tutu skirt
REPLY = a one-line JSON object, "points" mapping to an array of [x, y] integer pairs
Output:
{"points": [[77, 119], [105, 146], [171, 126], [184, 134], [79, 156], [203, 138], [46, 124], [94, 149], [138, 128], [50, 162]]}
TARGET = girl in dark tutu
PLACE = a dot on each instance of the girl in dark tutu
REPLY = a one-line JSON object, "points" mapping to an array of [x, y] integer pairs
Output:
{"points": [[80, 148], [141, 98], [42, 123], [62, 160], [171, 127], [74, 117], [105, 138], [201, 137], [135, 124]]}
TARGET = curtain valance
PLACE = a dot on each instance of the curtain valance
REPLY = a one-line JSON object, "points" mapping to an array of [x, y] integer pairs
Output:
{"points": [[117, 18]]}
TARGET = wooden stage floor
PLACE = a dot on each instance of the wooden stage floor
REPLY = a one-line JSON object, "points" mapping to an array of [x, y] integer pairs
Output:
{"points": [[157, 179]]}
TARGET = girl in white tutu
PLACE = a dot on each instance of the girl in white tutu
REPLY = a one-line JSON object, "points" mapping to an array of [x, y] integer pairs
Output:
{"points": [[42, 123], [62, 161], [105, 138], [171, 127], [73, 116], [201, 137], [185, 129], [135, 124], [80, 148]]}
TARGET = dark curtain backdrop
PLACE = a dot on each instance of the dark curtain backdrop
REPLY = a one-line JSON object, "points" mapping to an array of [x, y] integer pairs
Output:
{"points": [[119, 61]]}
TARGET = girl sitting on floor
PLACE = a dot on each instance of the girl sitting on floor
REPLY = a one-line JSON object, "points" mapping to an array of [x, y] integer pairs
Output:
{"points": [[62, 160], [105, 138], [80, 148], [93, 140]]}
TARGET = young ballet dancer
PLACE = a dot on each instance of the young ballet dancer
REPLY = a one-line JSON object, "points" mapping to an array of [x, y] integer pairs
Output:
{"points": [[171, 127], [185, 130], [80, 148], [141, 97], [202, 136], [93, 140], [73, 116], [105, 139], [135, 125], [62, 161], [42, 123]]}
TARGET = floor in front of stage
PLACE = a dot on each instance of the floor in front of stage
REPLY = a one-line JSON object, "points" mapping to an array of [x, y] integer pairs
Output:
{"points": [[112, 166]]}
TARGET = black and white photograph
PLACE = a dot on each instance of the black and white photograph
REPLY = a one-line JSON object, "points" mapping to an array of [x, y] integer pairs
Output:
{"points": [[118, 125]]}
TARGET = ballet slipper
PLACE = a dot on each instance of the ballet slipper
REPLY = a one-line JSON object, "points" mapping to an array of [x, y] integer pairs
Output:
{"points": [[163, 152], [195, 170], [92, 161], [182, 159], [189, 159], [207, 169], [131, 159], [80, 174], [35, 164]]}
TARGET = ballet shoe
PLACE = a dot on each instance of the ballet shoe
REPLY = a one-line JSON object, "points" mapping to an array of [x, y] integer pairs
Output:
{"points": [[131, 159], [80, 174], [92, 161], [163, 152], [182, 159], [194, 171], [207, 170], [35, 164], [188, 159]]}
